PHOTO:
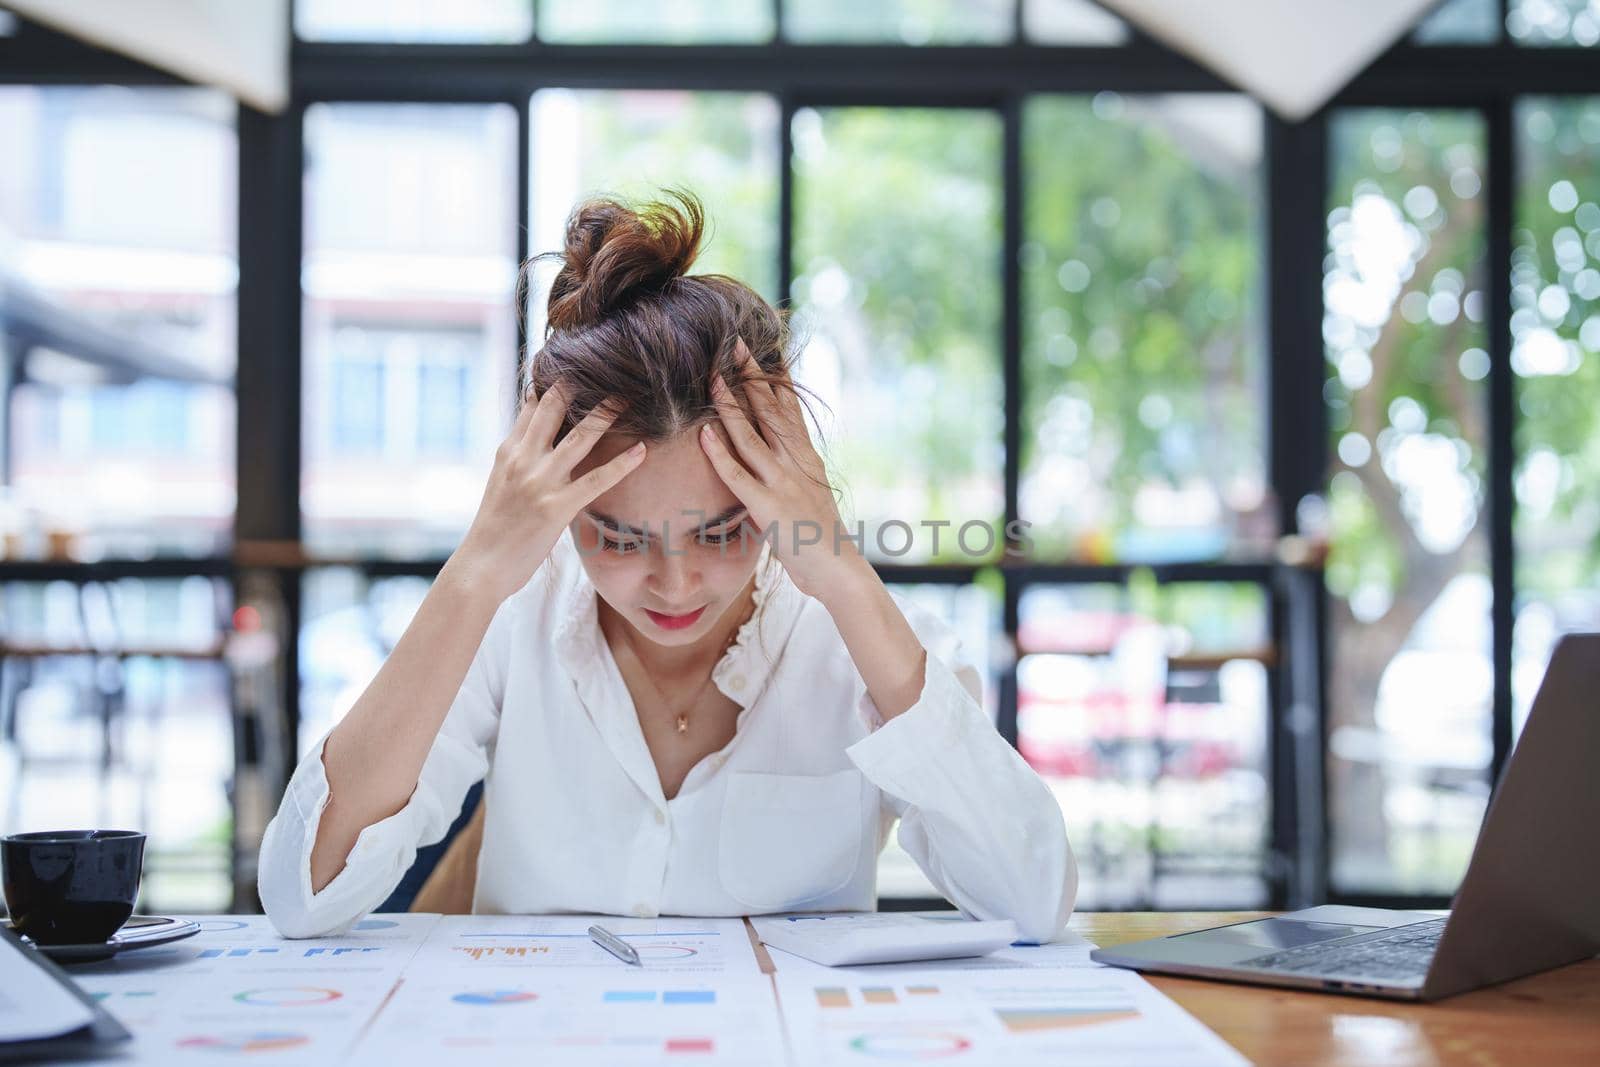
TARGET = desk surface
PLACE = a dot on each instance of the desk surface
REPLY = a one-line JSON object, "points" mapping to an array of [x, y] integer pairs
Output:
{"points": [[1544, 1020]]}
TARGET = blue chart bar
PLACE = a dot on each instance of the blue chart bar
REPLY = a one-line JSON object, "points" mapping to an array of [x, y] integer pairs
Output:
{"points": [[670, 996], [217, 953]]}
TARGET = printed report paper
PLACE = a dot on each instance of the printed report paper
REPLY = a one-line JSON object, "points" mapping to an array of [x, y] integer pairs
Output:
{"points": [[1024, 1017], [31, 1005]]}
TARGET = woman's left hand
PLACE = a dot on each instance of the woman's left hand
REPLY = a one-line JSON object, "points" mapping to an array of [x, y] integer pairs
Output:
{"points": [[775, 471]]}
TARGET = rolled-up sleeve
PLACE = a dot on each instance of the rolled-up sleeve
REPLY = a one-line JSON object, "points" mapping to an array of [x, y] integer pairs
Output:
{"points": [[980, 822], [384, 850]]}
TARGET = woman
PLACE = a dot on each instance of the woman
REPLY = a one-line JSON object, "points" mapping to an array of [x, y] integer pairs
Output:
{"points": [[688, 690]]}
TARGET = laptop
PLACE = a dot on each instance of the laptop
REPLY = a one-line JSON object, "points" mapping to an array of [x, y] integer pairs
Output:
{"points": [[1530, 899]]}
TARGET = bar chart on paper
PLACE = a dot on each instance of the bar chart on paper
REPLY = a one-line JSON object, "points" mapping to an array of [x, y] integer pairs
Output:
{"points": [[1014, 1018], [679, 946], [237, 989], [574, 1019], [491, 988]]}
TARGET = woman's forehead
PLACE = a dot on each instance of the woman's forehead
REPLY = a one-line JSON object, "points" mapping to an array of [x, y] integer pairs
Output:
{"points": [[676, 482]]}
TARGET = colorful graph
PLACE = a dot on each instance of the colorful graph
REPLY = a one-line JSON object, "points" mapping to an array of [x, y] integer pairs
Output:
{"points": [[218, 953], [910, 1045], [833, 996], [701, 1045], [496, 996], [1030, 1020], [494, 952], [238, 953], [258, 1041], [288, 996], [839, 997], [669, 996]]}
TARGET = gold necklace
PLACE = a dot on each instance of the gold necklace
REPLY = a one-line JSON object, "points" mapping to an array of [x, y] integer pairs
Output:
{"points": [[682, 717]]}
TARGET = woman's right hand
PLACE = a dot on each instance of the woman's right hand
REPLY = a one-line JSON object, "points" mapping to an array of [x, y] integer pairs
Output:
{"points": [[531, 494]]}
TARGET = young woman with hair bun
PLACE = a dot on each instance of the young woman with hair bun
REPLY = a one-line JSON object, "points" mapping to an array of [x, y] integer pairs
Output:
{"points": [[685, 689]]}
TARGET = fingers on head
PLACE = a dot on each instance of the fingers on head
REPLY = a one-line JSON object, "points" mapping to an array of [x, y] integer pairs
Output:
{"points": [[603, 477], [550, 410]]}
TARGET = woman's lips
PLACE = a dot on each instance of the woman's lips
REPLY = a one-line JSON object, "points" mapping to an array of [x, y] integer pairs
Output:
{"points": [[675, 622]]}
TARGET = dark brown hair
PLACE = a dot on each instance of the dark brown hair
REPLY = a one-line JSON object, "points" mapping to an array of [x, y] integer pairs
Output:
{"points": [[625, 319]]}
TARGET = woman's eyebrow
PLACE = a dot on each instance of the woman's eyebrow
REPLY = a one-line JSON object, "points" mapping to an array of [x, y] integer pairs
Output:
{"points": [[723, 516], [726, 515]]}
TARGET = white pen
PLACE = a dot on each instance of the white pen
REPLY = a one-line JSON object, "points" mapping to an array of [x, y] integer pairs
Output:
{"points": [[614, 945]]}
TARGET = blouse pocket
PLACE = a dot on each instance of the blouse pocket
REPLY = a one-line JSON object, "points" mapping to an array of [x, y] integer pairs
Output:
{"points": [[789, 838]]}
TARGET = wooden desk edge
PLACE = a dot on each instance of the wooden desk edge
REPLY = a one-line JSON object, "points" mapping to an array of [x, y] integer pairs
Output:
{"points": [[1552, 1018]]}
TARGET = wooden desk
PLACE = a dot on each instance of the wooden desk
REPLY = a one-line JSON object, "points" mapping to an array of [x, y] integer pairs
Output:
{"points": [[1545, 1020]]}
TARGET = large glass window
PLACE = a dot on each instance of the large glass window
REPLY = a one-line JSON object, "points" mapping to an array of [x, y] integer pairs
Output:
{"points": [[350, 625], [635, 144], [897, 278], [1460, 22], [1410, 677], [410, 332], [652, 22], [117, 331], [900, 21], [1145, 709], [1142, 328], [1553, 22], [415, 21], [116, 710], [1081, 22], [1555, 355]]}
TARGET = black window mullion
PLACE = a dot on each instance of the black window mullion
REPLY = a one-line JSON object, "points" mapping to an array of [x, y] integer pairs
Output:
{"points": [[1012, 193], [1501, 495], [786, 204], [268, 432], [524, 105], [1296, 191]]}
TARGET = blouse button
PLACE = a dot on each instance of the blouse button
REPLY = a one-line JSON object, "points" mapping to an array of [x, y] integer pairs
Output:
{"points": [[661, 817]]}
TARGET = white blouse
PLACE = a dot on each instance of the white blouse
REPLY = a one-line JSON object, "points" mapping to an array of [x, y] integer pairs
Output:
{"points": [[789, 815]]}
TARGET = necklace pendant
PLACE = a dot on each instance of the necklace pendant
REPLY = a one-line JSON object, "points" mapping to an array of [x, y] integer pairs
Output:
{"points": [[683, 724]]}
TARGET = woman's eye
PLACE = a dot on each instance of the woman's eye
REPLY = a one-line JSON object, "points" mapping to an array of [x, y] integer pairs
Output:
{"points": [[722, 537], [608, 545]]}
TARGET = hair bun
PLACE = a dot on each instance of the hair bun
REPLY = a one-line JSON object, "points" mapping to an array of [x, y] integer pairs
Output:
{"points": [[615, 253]]}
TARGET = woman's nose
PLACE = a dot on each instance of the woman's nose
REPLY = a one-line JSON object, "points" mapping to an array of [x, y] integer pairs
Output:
{"points": [[674, 576]]}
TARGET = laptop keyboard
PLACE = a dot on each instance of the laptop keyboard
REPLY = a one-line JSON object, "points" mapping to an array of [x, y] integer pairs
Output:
{"points": [[1404, 953]]}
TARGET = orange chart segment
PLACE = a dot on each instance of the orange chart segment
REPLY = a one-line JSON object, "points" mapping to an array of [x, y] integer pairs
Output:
{"points": [[1030, 1020], [833, 997], [502, 952]]}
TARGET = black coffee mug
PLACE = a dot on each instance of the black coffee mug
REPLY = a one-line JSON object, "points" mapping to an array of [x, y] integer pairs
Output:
{"points": [[71, 887]]}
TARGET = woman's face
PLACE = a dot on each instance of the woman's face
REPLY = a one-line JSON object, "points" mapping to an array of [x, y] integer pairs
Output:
{"points": [[666, 547]]}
